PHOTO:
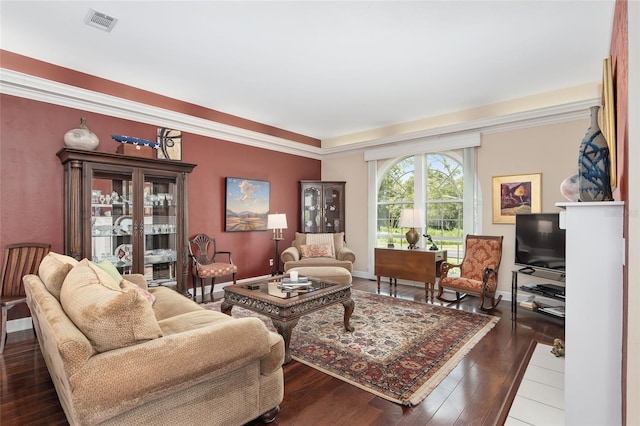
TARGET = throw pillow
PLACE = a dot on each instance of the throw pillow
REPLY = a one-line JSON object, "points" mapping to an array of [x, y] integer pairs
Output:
{"points": [[110, 269], [109, 316], [128, 285], [322, 239], [53, 270], [316, 250], [64, 258]]}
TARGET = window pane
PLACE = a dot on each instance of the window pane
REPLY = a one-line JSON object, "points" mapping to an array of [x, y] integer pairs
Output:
{"points": [[398, 183], [444, 182]]}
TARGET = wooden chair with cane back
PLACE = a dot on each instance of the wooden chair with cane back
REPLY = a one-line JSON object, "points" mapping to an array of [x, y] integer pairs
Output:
{"points": [[478, 271], [19, 260]]}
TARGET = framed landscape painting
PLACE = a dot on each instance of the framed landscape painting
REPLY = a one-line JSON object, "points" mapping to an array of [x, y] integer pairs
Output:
{"points": [[247, 205], [516, 194]]}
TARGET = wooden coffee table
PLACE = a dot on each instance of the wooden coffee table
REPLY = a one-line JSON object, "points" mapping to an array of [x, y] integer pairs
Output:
{"points": [[285, 309]]}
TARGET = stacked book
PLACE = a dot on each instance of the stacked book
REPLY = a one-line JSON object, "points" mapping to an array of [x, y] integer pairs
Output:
{"points": [[300, 285]]}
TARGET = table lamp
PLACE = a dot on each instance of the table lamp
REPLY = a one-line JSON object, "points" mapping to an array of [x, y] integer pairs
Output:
{"points": [[277, 222], [412, 219]]}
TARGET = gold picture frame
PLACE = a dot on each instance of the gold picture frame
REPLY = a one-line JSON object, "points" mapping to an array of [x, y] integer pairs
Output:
{"points": [[609, 118], [516, 194]]}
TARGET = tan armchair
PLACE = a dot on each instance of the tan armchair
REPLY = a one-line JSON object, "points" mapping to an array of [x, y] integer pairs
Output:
{"points": [[478, 270], [316, 250]]}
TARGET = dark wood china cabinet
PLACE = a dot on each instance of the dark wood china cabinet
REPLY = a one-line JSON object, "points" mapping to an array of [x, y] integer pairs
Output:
{"points": [[129, 210], [322, 206]]}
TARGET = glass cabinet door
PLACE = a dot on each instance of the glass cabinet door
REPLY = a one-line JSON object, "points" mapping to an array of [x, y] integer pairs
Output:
{"points": [[160, 216], [134, 219], [312, 209], [332, 209], [112, 231]]}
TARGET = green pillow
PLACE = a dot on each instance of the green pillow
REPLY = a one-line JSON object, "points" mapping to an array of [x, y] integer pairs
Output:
{"points": [[110, 268]]}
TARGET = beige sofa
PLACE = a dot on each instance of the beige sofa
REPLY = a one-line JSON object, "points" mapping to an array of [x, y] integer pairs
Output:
{"points": [[318, 250], [122, 354]]}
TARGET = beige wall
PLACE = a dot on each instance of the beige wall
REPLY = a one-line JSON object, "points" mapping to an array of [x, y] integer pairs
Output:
{"points": [[550, 149], [353, 170]]}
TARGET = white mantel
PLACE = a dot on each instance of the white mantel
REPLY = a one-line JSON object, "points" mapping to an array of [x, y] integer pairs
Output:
{"points": [[593, 323]]}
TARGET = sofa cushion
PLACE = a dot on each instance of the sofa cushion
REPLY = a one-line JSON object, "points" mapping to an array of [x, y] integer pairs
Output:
{"points": [[64, 258], [110, 269], [316, 250], [53, 270], [330, 273], [109, 316], [170, 303], [318, 262], [128, 285], [191, 321]]}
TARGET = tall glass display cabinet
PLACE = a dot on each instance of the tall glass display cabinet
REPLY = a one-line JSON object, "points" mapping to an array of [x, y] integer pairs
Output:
{"points": [[322, 206], [131, 211]]}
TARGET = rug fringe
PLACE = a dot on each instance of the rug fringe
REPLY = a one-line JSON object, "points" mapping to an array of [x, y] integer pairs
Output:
{"points": [[444, 371], [344, 379]]}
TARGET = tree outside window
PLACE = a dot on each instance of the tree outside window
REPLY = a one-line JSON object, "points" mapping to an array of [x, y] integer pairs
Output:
{"points": [[444, 201]]}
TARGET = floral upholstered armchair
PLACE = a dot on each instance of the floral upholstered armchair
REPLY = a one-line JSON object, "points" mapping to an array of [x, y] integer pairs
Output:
{"points": [[478, 271]]}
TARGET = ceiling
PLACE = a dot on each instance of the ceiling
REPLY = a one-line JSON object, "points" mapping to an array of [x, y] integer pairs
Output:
{"points": [[324, 69]]}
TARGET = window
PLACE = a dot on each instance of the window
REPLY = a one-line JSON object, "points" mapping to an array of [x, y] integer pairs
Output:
{"points": [[434, 181]]}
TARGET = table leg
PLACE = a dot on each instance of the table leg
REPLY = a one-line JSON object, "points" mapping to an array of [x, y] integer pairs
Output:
{"points": [[378, 283], [285, 329], [225, 307], [430, 291], [348, 310]]}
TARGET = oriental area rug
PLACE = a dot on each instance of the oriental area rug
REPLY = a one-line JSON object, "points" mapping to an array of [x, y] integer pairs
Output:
{"points": [[400, 349]]}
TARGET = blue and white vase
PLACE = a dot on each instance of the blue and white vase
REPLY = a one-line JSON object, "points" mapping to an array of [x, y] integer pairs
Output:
{"points": [[593, 164]]}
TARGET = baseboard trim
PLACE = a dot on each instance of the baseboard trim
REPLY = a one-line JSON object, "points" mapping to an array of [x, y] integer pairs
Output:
{"points": [[19, 324]]}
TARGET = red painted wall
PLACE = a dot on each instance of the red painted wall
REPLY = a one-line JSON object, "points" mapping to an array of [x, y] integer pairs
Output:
{"points": [[31, 179]]}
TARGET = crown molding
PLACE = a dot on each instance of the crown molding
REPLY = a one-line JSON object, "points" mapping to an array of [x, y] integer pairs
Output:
{"points": [[30, 87], [39, 89], [539, 117]]}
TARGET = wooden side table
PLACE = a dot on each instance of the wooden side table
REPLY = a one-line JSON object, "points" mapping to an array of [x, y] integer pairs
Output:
{"points": [[414, 265]]}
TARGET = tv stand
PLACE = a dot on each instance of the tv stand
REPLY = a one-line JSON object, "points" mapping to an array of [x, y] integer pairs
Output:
{"points": [[549, 291]]}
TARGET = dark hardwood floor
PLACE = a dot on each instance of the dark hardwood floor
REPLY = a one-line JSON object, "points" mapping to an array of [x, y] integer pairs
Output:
{"points": [[472, 394]]}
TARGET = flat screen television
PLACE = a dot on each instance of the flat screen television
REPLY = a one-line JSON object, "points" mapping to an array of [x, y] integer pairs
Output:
{"points": [[540, 243]]}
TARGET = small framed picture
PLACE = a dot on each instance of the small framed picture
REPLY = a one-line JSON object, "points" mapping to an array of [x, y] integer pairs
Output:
{"points": [[516, 194]]}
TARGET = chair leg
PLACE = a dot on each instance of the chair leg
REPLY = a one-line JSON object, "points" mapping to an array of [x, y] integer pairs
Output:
{"points": [[494, 303], [3, 328], [213, 283], [194, 284], [456, 300]]}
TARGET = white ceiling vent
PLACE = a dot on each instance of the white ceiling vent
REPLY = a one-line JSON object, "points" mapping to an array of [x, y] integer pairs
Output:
{"points": [[100, 20]]}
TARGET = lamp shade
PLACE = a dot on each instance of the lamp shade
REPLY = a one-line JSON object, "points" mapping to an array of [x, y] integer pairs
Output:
{"points": [[277, 221], [411, 218]]}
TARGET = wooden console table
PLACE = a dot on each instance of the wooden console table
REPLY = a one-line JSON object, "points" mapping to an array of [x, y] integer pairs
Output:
{"points": [[414, 265]]}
